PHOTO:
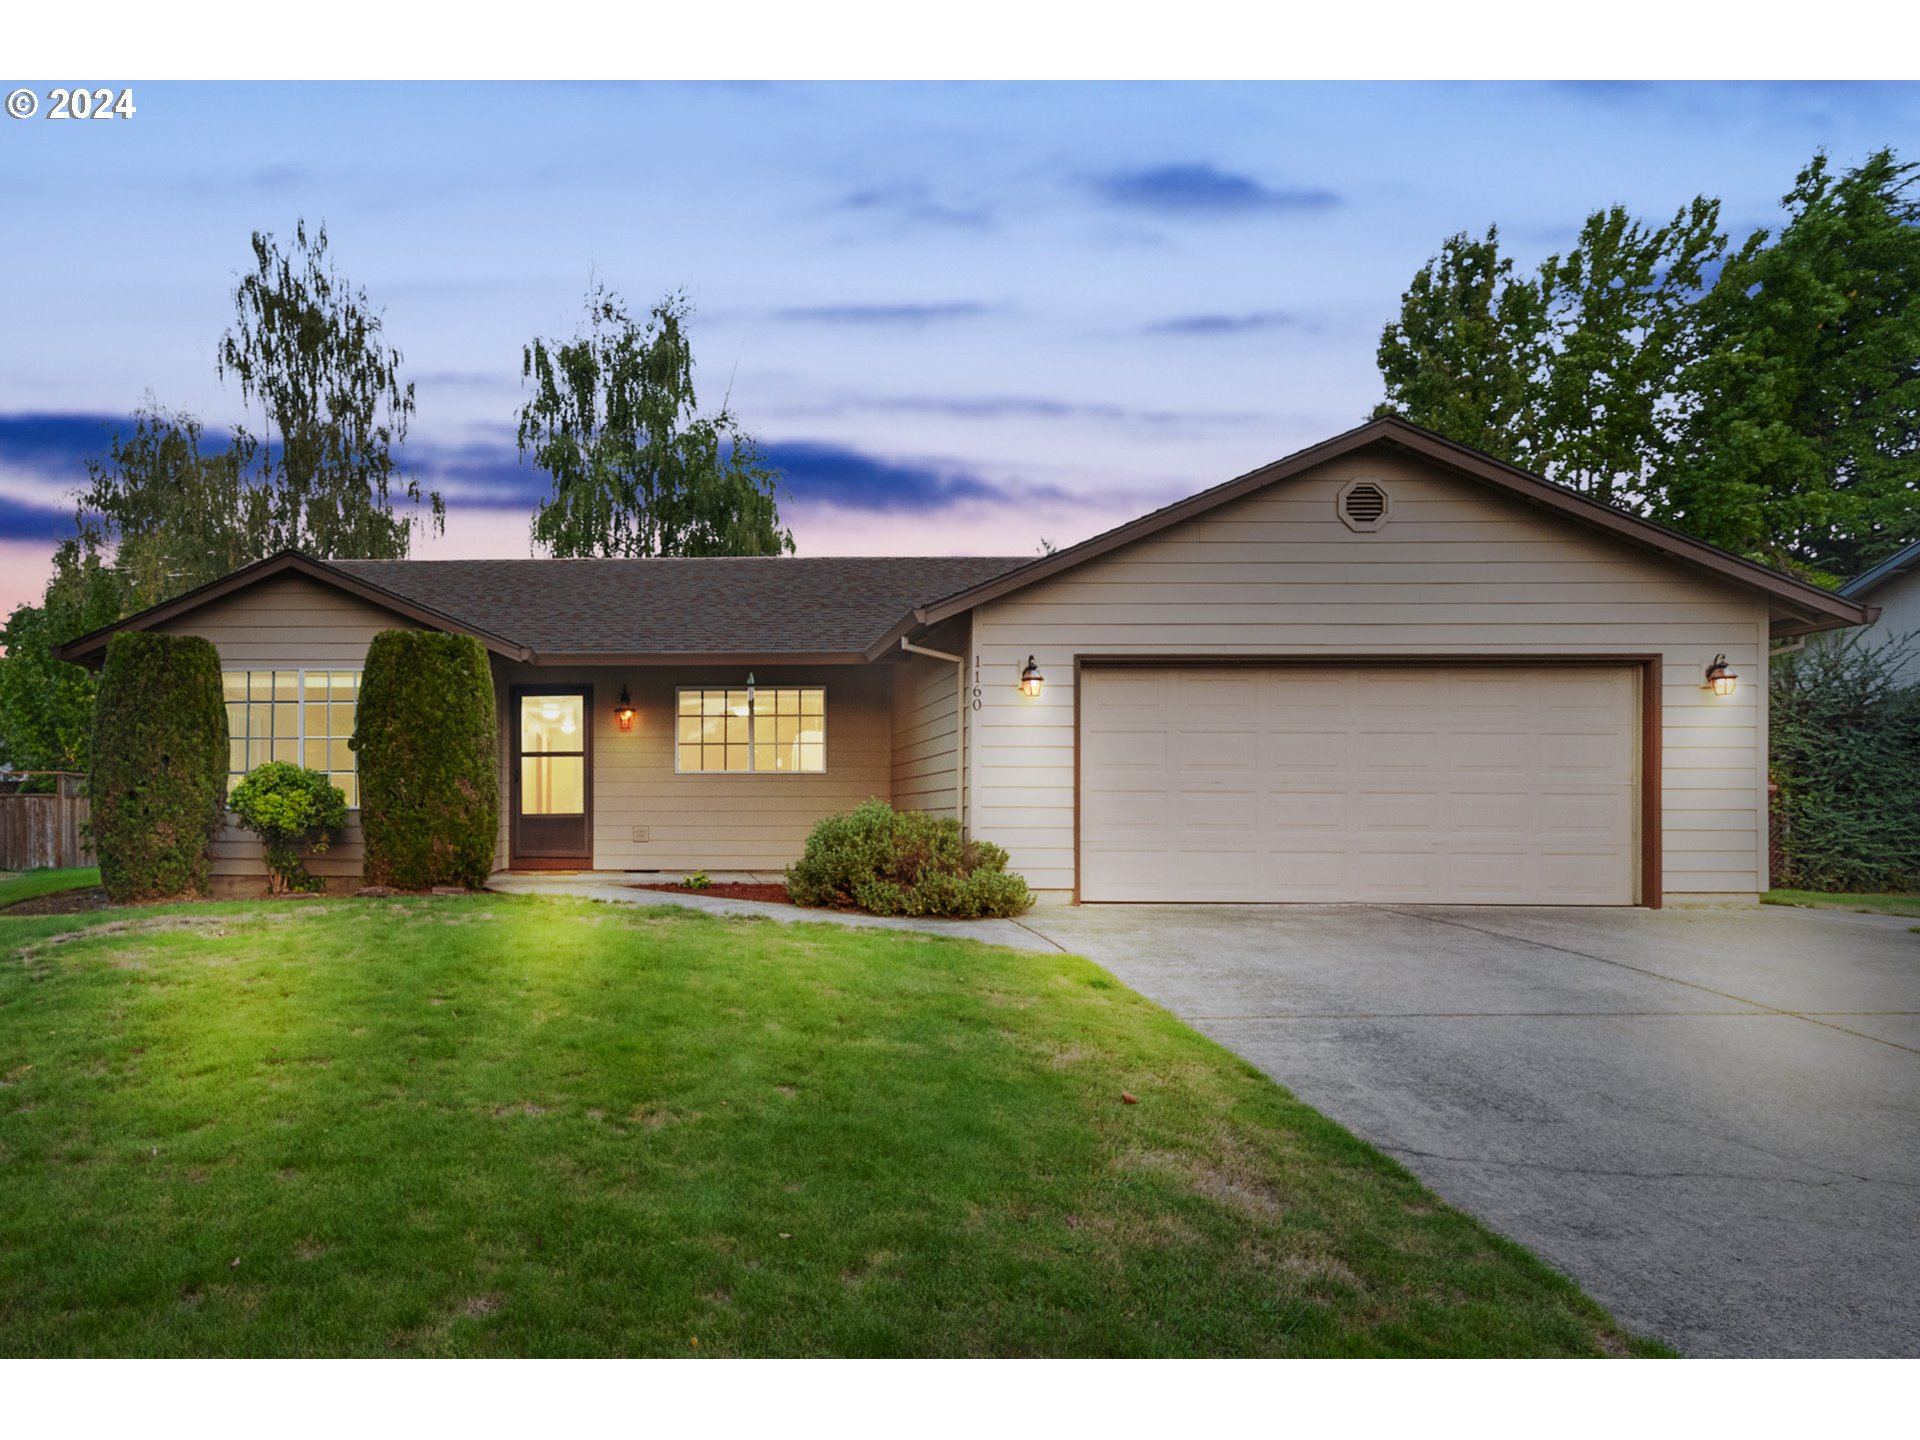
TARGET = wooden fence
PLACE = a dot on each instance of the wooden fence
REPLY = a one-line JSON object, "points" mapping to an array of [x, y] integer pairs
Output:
{"points": [[38, 831]]}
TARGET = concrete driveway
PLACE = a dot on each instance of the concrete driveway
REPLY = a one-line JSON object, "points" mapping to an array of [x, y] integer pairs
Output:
{"points": [[1711, 1119]]}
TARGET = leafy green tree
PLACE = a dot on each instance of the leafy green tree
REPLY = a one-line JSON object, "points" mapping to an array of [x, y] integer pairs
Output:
{"points": [[1621, 331], [1467, 354], [311, 351], [172, 513], [635, 468], [46, 705], [1804, 445], [1569, 372]]}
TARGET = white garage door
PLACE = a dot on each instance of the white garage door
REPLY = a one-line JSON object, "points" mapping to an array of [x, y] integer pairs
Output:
{"points": [[1489, 785]]}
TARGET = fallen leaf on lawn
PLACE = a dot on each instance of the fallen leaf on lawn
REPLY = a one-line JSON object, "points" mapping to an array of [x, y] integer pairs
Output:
{"points": [[234, 1264], [694, 1340], [1073, 1222], [1126, 1099], [786, 1235]]}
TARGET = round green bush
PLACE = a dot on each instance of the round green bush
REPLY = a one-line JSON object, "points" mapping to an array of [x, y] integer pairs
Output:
{"points": [[295, 812], [429, 774], [904, 862], [157, 776]]}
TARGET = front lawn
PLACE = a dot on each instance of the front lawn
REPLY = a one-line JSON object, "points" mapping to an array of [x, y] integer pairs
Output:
{"points": [[1827, 900], [515, 1126], [29, 884]]}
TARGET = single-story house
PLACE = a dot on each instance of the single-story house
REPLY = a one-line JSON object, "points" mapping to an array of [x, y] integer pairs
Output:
{"points": [[1386, 668], [1894, 586]]}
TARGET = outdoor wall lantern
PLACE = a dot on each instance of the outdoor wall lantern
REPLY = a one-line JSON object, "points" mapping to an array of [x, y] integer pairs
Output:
{"points": [[1720, 680], [623, 712], [1031, 679]]}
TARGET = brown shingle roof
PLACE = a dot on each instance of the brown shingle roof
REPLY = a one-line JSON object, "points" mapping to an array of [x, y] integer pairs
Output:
{"points": [[722, 606]]}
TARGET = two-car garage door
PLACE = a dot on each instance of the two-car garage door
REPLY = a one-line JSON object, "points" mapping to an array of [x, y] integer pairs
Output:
{"points": [[1455, 784]]}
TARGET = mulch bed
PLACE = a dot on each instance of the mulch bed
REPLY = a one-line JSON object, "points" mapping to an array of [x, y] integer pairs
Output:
{"points": [[60, 902], [730, 890]]}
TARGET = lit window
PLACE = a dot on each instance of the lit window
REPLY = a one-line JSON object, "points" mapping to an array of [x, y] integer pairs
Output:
{"points": [[304, 717], [776, 729]]}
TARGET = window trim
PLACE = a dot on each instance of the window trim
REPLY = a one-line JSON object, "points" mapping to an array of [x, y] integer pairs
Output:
{"points": [[697, 689], [300, 708]]}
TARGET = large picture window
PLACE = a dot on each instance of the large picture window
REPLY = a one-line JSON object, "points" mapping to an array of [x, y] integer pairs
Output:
{"points": [[304, 717], [774, 729]]}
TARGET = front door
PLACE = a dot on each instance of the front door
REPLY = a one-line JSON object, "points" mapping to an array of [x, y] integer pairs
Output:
{"points": [[553, 778]]}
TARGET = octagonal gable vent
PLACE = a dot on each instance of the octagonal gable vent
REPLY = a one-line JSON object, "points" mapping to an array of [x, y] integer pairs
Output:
{"points": [[1363, 504]]}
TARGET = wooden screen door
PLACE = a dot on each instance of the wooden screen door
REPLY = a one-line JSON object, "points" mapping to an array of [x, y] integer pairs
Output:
{"points": [[553, 778]]}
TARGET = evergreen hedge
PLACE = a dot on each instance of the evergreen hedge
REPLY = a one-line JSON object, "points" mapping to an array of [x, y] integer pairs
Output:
{"points": [[158, 764], [429, 773], [1846, 755]]}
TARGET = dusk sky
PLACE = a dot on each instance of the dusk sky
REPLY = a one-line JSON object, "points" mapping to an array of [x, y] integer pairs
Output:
{"points": [[960, 317]]}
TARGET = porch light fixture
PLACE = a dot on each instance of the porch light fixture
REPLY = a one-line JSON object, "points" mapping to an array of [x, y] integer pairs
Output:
{"points": [[623, 712], [1031, 679], [1720, 680]]}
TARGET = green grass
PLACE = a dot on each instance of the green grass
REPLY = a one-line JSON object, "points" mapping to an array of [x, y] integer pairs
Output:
{"points": [[509, 1126], [26, 884], [1825, 900]]}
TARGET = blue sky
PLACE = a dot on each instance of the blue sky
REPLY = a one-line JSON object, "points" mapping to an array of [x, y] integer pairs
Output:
{"points": [[962, 317]]}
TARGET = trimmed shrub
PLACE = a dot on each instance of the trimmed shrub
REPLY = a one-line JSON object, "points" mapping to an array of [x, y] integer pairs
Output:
{"points": [[904, 862], [158, 764], [429, 773], [295, 812], [1846, 754]]}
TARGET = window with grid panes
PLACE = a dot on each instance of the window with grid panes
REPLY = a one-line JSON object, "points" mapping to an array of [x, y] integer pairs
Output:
{"points": [[774, 729], [304, 717]]}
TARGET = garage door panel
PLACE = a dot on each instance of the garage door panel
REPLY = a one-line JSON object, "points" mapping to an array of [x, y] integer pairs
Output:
{"points": [[1292, 752], [1489, 753], [1210, 814], [1484, 785], [1378, 810], [1295, 813], [1482, 812], [1210, 748]]}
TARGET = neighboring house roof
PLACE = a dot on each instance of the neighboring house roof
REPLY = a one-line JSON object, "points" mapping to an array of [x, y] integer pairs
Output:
{"points": [[578, 611], [1797, 608], [1894, 566]]}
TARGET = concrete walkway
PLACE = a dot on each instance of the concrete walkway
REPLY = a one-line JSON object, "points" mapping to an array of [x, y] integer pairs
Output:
{"points": [[620, 887]]}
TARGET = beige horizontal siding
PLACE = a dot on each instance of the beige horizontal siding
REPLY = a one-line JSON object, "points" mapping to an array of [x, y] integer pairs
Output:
{"points": [[289, 622], [240, 866], [926, 733], [712, 822], [1456, 570]]}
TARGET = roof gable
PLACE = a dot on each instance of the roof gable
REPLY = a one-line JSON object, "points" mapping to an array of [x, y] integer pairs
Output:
{"points": [[1796, 607], [87, 647]]}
